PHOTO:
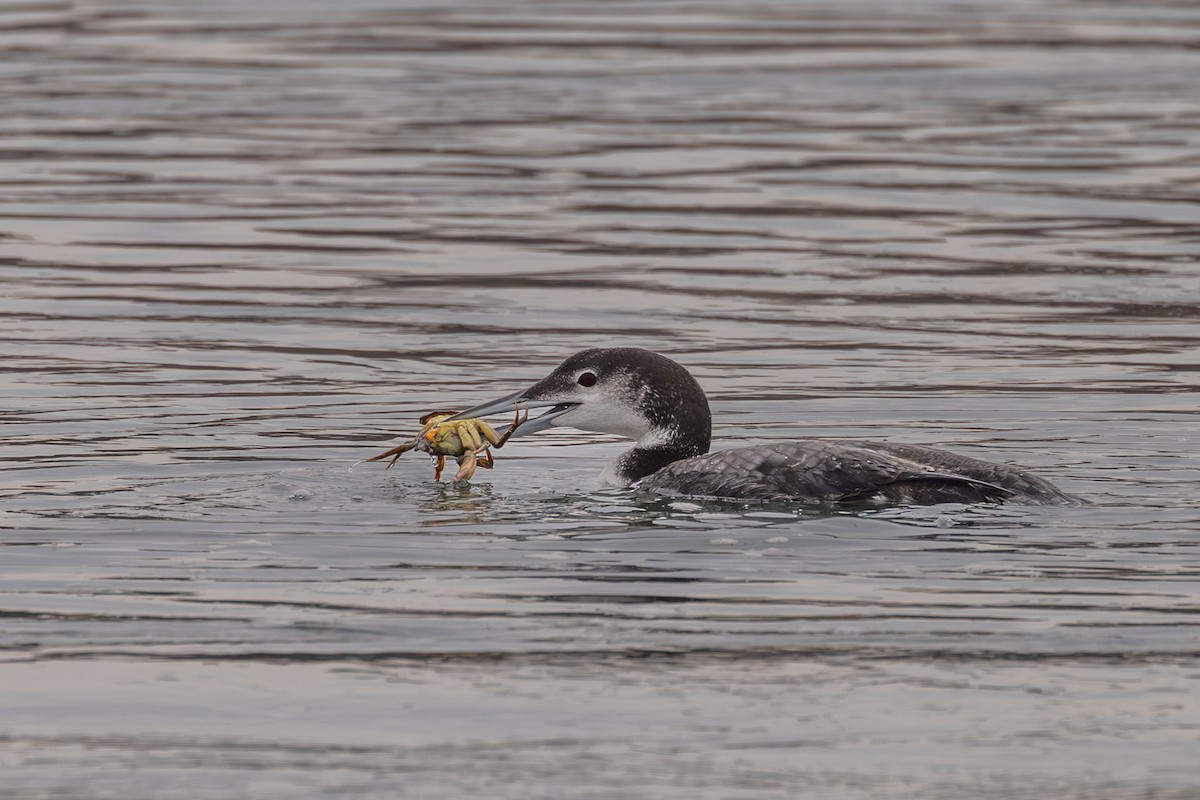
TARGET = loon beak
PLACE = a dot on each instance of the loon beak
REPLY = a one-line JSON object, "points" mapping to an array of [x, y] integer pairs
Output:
{"points": [[510, 404]]}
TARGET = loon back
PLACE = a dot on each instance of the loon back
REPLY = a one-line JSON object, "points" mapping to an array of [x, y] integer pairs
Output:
{"points": [[841, 471]]}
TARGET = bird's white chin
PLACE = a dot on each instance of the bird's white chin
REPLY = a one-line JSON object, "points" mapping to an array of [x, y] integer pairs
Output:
{"points": [[605, 418]]}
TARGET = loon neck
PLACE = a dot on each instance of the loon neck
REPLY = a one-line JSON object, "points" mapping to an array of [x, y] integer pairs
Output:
{"points": [[652, 453]]}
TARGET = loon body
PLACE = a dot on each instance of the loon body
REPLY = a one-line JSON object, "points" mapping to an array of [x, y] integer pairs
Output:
{"points": [[647, 397]]}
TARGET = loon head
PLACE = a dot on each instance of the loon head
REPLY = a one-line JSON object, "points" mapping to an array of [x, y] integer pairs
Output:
{"points": [[626, 391]]}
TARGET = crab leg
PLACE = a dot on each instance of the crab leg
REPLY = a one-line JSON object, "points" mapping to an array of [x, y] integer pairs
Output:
{"points": [[468, 435], [488, 433], [441, 465], [395, 453], [431, 420], [517, 421], [467, 471]]}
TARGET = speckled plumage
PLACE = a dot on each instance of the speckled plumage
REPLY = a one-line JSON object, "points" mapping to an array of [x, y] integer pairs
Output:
{"points": [[832, 470]]}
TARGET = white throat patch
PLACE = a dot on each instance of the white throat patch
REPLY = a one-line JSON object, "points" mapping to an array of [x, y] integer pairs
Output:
{"points": [[606, 418]]}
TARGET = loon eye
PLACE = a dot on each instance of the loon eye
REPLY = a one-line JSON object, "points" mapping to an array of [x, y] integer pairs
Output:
{"points": [[587, 379]]}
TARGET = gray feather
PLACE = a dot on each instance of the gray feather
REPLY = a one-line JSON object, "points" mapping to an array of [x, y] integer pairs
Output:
{"points": [[830, 470]]}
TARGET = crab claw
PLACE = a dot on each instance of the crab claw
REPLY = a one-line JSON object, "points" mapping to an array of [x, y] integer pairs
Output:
{"points": [[467, 465]]}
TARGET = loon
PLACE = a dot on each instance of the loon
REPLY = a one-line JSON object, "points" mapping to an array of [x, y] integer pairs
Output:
{"points": [[648, 397]]}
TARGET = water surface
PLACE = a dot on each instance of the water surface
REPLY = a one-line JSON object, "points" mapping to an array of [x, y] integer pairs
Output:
{"points": [[243, 245]]}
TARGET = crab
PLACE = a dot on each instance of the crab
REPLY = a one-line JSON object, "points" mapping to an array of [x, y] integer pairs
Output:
{"points": [[467, 440]]}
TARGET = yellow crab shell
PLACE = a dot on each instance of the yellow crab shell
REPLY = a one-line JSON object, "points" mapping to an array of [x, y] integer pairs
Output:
{"points": [[454, 439]]}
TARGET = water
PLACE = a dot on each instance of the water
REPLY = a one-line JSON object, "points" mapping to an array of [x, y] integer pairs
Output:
{"points": [[244, 245]]}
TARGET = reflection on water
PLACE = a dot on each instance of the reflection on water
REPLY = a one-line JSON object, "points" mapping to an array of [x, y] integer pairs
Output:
{"points": [[242, 246]]}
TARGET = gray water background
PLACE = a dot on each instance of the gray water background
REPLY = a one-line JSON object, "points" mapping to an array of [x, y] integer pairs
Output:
{"points": [[242, 245]]}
